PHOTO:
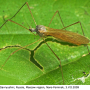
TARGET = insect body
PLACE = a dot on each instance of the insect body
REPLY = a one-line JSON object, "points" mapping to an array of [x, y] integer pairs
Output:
{"points": [[63, 35]]}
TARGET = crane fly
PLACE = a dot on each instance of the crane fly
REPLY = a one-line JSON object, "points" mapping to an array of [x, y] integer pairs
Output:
{"points": [[59, 34]]}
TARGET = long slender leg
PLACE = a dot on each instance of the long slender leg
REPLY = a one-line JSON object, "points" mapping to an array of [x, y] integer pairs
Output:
{"points": [[50, 48], [31, 13], [18, 50], [57, 58], [17, 12], [84, 35], [54, 16], [62, 21]]}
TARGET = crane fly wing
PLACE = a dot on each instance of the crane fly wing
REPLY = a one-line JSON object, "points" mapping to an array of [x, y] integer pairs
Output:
{"points": [[66, 36]]}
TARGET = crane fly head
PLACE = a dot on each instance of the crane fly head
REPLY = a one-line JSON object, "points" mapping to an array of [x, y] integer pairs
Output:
{"points": [[40, 29]]}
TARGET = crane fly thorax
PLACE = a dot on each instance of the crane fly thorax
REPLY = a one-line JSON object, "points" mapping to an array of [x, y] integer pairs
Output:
{"points": [[40, 29]]}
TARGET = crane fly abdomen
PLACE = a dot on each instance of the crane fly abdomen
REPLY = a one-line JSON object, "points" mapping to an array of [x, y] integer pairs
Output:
{"points": [[66, 36]]}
